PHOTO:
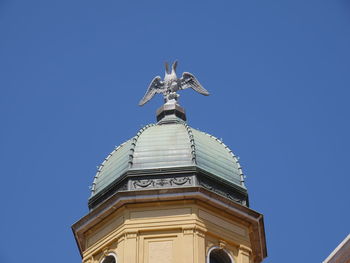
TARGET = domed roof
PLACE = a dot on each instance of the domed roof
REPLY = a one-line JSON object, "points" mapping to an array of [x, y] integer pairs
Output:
{"points": [[169, 145]]}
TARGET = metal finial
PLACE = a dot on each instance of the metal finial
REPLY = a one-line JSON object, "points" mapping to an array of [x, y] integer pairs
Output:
{"points": [[171, 84]]}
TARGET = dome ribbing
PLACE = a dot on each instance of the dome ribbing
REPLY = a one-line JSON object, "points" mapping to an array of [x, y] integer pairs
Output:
{"points": [[169, 146]]}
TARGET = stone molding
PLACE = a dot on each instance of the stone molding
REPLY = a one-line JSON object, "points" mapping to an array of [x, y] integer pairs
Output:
{"points": [[123, 199], [131, 234], [155, 183], [173, 180]]}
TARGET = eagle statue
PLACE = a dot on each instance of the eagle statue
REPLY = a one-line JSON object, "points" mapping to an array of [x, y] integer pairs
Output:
{"points": [[171, 84]]}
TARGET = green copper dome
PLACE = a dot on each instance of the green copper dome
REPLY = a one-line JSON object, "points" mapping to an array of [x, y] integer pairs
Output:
{"points": [[169, 145]]}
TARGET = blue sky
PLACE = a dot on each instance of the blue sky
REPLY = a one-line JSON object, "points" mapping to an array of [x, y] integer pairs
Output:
{"points": [[72, 73]]}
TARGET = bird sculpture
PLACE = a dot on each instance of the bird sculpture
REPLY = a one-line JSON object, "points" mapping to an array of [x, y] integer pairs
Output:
{"points": [[171, 84]]}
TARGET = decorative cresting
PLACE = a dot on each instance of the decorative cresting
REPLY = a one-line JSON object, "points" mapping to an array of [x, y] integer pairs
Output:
{"points": [[171, 84], [133, 144], [167, 155], [118, 156], [233, 156], [112, 173], [193, 145]]}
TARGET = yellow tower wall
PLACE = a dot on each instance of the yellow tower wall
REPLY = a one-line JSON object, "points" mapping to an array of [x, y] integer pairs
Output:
{"points": [[167, 232]]}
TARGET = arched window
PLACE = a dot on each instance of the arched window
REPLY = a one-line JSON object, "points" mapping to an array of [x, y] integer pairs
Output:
{"points": [[218, 255], [110, 258]]}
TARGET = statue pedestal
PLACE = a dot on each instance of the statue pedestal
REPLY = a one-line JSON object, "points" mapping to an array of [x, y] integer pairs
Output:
{"points": [[171, 109]]}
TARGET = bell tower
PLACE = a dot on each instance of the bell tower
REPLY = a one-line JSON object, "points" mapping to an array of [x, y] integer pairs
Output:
{"points": [[170, 194]]}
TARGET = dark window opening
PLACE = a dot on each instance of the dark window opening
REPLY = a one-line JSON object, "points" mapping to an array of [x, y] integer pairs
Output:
{"points": [[109, 259], [219, 256]]}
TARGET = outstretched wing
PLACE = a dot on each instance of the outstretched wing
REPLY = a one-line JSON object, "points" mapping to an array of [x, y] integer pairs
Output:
{"points": [[189, 81], [156, 86]]}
